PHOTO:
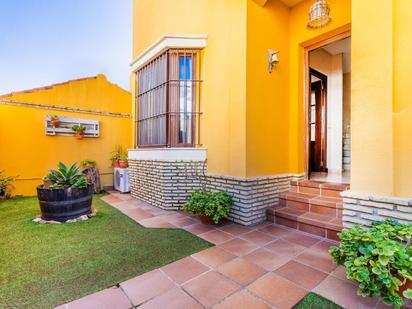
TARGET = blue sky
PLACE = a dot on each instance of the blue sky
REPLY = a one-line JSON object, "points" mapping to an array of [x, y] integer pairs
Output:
{"points": [[48, 41]]}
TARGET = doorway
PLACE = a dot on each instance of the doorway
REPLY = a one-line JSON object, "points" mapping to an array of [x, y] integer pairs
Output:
{"points": [[327, 110], [318, 121]]}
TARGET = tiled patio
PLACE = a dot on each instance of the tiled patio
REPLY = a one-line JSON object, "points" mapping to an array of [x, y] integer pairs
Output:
{"points": [[265, 266]]}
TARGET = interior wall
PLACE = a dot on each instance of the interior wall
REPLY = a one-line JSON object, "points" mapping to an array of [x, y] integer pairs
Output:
{"points": [[346, 101], [331, 66]]}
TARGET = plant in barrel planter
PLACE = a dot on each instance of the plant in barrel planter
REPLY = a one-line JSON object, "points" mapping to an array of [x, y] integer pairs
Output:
{"points": [[68, 196], [379, 259], [79, 131], [6, 185], [54, 121], [209, 206]]}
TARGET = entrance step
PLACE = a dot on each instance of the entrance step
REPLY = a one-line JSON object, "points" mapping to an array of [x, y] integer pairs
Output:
{"points": [[310, 206]]}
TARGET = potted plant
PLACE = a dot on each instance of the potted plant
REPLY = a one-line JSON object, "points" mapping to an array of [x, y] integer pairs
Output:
{"points": [[86, 163], [69, 195], [79, 131], [54, 121], [6, 185], [119, 157], [211, 207], [379, 259]]}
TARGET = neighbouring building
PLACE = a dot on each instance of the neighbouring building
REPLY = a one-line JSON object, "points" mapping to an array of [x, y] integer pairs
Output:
{"points": [[248, 95], [29, 145]]}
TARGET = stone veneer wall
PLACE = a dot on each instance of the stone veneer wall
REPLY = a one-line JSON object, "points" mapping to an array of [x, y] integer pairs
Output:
{"points": [[363, 209], [168, 184]]}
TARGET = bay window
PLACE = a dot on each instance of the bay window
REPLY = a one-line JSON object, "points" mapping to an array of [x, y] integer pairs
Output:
{"points": [[168, 90]]}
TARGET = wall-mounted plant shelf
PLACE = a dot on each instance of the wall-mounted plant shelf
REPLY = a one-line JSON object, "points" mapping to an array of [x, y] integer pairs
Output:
{"points": [[65, 126]]}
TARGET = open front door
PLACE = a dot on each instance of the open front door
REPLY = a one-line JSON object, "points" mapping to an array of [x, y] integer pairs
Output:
{"points": [[317, 121]]}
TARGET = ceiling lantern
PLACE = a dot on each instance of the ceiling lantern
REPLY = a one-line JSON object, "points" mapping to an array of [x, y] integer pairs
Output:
{"points": [[319, 14]]}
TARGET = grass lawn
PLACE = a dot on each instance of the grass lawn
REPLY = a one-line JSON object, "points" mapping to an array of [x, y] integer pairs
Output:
{"points": [[42, 266], [315, 301]]}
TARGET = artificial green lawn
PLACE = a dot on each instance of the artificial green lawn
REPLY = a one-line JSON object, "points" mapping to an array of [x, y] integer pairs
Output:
{"points": [[315, 301], [42, 266]]}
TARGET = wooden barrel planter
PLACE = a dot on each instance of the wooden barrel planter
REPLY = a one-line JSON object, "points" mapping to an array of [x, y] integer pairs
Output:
{"points": [[64, 204]]}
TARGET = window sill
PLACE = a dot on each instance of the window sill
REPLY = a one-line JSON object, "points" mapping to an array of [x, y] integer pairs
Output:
{"points": [[168, 154]]}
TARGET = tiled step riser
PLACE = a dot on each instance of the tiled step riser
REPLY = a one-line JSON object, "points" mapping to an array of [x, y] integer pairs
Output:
{"points": [[308, 228], [316, 188], [319, 209]]}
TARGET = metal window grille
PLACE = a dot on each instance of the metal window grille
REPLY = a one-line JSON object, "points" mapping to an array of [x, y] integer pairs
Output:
{"points": [[168, 100]]}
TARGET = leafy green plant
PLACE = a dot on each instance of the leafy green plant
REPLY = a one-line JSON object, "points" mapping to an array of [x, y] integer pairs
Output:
{"points": [[379, 259], [65, 177], [214, 204], [119, 153], [54, 117], [78, 128], [6, 184], [87, 162]]}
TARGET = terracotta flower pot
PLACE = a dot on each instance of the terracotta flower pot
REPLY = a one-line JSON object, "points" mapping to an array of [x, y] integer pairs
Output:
{"points": [[402, 288], [55, 123], [116, 163], [79, 134], [123, 163], [206, 219]]}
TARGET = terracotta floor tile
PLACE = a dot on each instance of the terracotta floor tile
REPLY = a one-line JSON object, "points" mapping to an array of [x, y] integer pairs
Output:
{"points": [[275, 231], [216, 237], [304, 276], [261, 225], [288, 294], [266, 259], [214, 256], [199, 228], [137, 214], [182, 222], [242, 300], [343, 293], [184, 269], [241, 271], [301, 239], [112, 298], [111, 199], [257, 238], [284, 247], [146, 286], [239, 246], [210, 288], [172, 299], [156, 222], [324, 246], [340, 273], [317, 259], [235, 229]]}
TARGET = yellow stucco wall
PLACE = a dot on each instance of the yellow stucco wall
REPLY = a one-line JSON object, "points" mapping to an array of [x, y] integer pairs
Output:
{"points": [[223, 123], [26, 151], [253, 122], [267, 94]]}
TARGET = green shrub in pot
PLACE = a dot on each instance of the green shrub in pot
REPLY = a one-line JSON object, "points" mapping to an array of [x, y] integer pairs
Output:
{"points": [[379, 259], [67, 177], [213, 204]]}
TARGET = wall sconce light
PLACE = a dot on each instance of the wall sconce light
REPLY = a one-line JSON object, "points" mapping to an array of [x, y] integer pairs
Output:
{"points": [[319, 14], [273, 58]]}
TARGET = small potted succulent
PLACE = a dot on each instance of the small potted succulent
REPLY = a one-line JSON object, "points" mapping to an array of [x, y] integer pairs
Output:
{"points": [[68, 194], [211, 207], [6, 185], [54, 121], [379, 259], [86, 163], [79, 131]]}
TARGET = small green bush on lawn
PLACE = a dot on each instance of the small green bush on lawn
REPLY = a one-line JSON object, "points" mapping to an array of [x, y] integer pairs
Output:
{"points": [[42, 266]]}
